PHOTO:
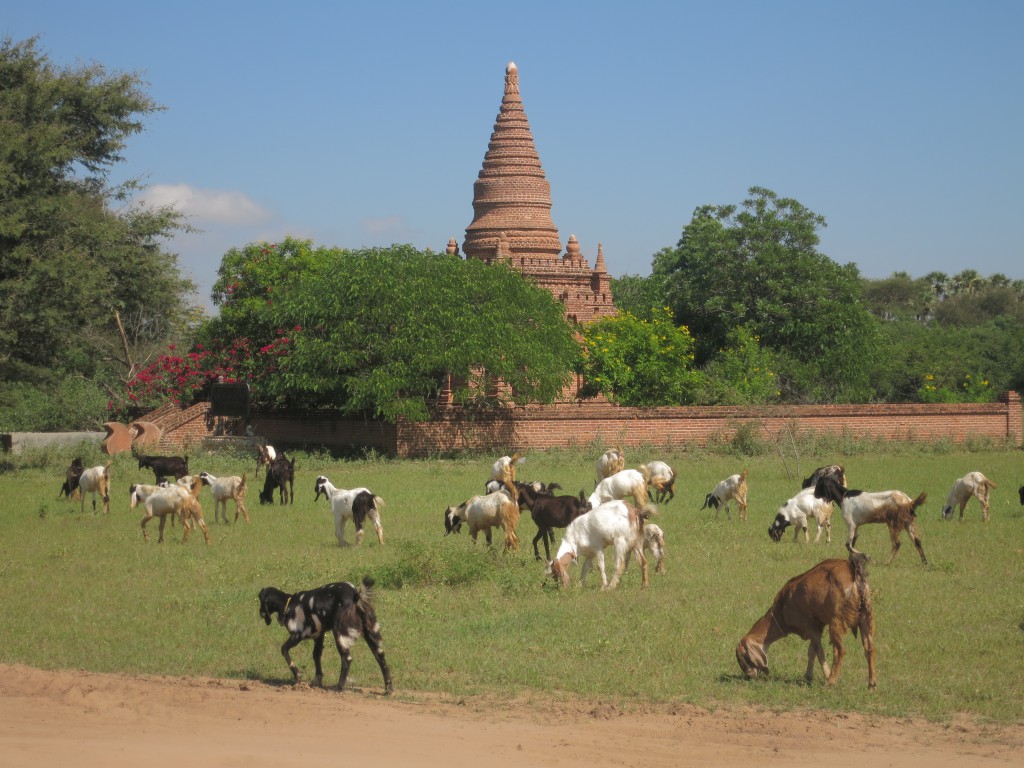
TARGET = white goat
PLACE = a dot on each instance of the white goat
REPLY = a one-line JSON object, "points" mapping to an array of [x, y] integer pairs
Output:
{"points": [[628, 482], [615, 523], [482, 513], [972, 484], [894, 508], [654, 542], [796, 512], [224, 489], [732, 488], [175, 500], [356, 505], [504, 469], [96, 480], [662, 478], [613, 460]]}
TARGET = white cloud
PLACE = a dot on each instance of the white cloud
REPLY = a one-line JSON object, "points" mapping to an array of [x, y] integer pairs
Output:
{"points": [[207, 206]]}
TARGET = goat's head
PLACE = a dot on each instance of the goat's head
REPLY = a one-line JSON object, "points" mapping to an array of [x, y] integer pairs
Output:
{"points": [[271, 603], [710, 502], [320, 487], [205, 478], [778, 527], [829, 489], [947, 512], [558, 571], [752, 658], [452, 520]]}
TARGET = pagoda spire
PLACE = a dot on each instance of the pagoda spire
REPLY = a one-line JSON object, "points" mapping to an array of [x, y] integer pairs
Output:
{"points": [[511, 193]]}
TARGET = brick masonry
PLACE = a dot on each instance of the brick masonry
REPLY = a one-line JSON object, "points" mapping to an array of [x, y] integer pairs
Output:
{"points": [[567, 425]]}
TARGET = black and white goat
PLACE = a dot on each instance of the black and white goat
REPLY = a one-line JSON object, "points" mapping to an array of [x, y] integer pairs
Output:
{"points": [[732, 488], [72, 474], [280, 475], [797, 511], [354, 504], [894, 508], [835, 471], [341, 608]]}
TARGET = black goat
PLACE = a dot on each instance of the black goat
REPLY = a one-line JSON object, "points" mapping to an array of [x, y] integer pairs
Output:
{"points": [[280, 475], [549, 512], [71, 476], [835, 471], [341, 607], [165, 466]]}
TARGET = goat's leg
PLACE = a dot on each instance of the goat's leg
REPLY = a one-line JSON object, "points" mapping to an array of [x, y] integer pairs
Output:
{"points": [[318, 652], [290, 643], [375, 518], [585, 569], [912, 531], [202, 525], [163, 522], [376, 643], [815, 653], [240, 507], [541, 534], [835, 634], [339, 530], [146, 518], [867, 639], [600, 565]]}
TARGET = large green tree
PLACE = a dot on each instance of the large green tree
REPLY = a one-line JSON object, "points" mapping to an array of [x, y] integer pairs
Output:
{"points": [[380, 331], [757, 265], [87, 289]]}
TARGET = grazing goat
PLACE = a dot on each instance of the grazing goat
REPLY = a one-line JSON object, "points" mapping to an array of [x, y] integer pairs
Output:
{"points": [[628, 482], [72, 474], [549, 512], [481, 513], [280, 475], [165, 466], [615, 523], [796, 512], [654, 542], [835, 471], [224, 489], [356, 505], [732, 488], [662, 478], [342, 608], [972, 484], [833, 594], [612, 461], [176, 500], [265, 455], [894, 508], [96, 480]]}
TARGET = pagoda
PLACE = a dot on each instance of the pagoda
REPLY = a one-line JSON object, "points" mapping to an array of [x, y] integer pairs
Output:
{"points": [[512, 218]]}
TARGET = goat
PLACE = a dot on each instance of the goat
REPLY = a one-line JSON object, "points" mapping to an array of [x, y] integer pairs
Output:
{"points": [[482, 513], [280, 475], [175, 500], [612, 461], [342, 608], [894, 508], [504, 469], [548, 512], [654, 542], [165, 466], [96, 480], [732, 488], [265, 455], [493, 486], [356, 504], [628, 482], [662, 478], [972, 484], [796, 512], [833, 594], [614, 522], [72, 474], [223, 489], [835, 471]]}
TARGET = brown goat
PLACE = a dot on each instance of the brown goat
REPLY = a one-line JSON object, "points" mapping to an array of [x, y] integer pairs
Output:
{"points": [[833, 594]]}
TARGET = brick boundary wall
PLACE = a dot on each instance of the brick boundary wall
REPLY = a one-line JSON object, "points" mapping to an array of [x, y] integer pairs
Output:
{"points": [[568, 425]]}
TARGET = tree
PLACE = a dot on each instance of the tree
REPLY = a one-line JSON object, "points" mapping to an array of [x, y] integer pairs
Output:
{"points": [[638, 295], [381, 331], [757, 265], [75, 255], [640, 362]]}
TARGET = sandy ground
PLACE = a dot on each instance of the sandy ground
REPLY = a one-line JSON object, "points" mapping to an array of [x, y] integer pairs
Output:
{"points": [[94, 720]]}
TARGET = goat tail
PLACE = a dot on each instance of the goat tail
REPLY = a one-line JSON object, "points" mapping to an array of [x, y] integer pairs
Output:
{"points": [[366, 591], [743, 475], [378, 502], [648, 511], [241, 485], [921, 498]]}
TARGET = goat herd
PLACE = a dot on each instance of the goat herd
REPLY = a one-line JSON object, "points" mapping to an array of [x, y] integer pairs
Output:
{"points": [[833, 594]]}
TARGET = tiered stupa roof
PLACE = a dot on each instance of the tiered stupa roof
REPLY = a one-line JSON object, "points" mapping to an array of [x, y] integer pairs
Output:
{"points": [[512, 217]]}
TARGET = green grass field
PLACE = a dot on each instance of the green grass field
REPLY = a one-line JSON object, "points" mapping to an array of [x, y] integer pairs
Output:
{"points": [[85, 591]]}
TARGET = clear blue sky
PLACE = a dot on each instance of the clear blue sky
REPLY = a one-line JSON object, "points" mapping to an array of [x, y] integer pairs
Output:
{"points": [[362, 124]]}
